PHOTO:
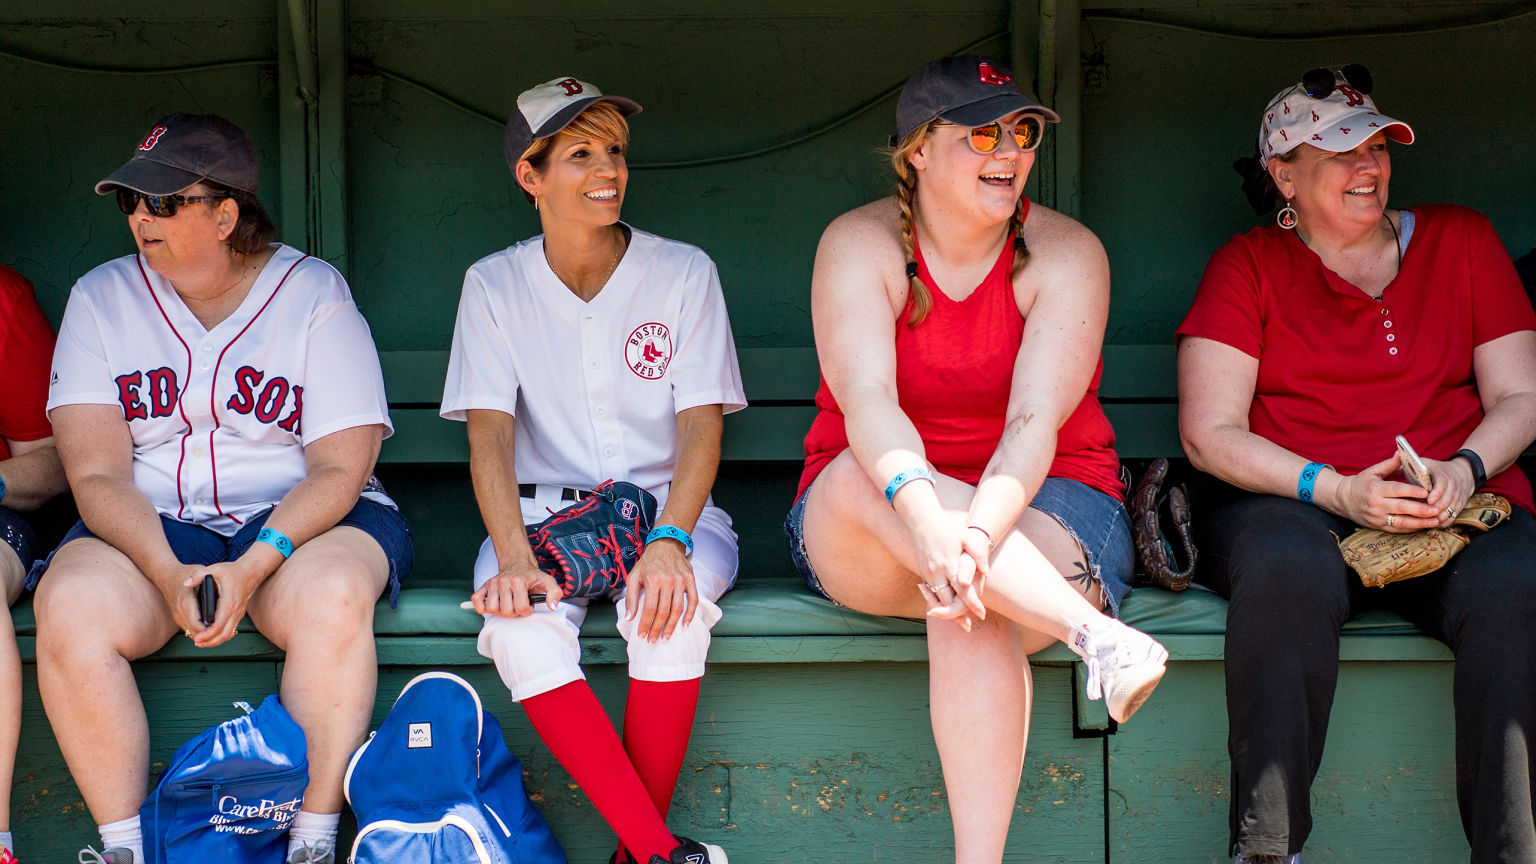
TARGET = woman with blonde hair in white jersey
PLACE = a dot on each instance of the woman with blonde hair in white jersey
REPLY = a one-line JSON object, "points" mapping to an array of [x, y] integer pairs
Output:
{"points": [[218, 406], [958, 328], [596, 352]]}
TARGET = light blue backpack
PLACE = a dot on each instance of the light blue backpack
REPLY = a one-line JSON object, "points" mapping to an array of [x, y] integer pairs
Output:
{"points": [[436, 784]]}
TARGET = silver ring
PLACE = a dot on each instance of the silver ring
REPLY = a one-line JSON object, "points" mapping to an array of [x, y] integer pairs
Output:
{"points": [[946, 587], [1451, 513], [1390, 520]]}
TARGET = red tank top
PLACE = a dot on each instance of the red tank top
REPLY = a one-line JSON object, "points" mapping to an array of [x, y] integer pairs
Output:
{"points": [[954, 373]]}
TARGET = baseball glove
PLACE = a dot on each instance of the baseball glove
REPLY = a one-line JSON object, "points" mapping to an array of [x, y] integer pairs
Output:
{"points": [[1382, 558], [1153, 549], [590, 546]]}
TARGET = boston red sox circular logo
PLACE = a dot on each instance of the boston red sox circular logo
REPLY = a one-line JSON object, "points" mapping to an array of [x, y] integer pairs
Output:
{"points": [[627, 508], [648, 350]]}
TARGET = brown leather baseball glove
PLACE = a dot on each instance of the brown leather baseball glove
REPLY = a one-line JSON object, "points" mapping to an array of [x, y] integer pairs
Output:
{"points": [[1382, 558]]}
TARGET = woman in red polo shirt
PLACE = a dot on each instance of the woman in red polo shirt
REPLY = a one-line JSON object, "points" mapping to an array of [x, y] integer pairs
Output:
{"points": [[1310, 345]]}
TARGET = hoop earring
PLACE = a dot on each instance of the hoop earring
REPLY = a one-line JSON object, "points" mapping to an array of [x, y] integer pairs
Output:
{"points": [[1288, 218]]}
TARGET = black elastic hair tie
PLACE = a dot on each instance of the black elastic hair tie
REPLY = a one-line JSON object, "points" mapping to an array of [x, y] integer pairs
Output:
{"points": [[1018, 242], [911, 269]]}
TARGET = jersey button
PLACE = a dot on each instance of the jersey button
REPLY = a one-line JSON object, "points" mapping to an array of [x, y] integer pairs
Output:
{"points": [[204, 366], [599, 410], [1387, 324], [593, 364], [1392, 351], [207, 347], [608, 451], [1391, 337]]}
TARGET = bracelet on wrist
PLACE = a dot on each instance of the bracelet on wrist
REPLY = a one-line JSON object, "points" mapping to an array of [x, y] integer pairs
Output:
{"points": [[671, 532], [905, 477], [277, 540], [1479, 475], [1308, 479], [985, 533]]}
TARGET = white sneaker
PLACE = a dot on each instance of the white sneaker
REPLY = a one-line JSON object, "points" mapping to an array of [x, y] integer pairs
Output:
{"points": [[1124, 664], [115, 855], [693, 852], [1245, 858]]}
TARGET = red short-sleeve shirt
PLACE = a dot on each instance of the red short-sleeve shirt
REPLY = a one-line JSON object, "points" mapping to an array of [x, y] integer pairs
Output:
{"points": [[26, 352], [1341, 374]]}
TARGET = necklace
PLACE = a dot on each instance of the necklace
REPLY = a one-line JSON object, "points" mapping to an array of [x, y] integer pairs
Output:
{"points": [[612, 266]]}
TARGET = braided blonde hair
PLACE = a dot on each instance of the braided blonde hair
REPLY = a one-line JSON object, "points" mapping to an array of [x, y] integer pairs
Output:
{"points": [[906, 199]]}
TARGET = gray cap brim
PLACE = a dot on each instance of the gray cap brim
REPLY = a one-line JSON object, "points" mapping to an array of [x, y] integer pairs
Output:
{"points": [[563, 117], [999, 106], [149, 177]]}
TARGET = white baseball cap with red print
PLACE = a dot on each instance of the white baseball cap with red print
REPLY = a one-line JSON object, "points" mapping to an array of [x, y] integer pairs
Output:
{"points": [[1337, 122], [544, 110]]}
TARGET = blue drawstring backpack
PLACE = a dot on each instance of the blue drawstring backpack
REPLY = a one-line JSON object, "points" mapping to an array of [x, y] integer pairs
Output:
{"points": [[230, 792], [436, 784]]}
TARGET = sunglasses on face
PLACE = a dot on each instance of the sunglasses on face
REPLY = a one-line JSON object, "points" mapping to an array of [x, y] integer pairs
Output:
{"points": [[1320, 83], [986, 139], [159, 205]]}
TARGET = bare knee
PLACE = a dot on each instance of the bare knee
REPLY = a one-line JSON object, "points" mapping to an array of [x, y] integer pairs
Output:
{"points": [[336, 596]]}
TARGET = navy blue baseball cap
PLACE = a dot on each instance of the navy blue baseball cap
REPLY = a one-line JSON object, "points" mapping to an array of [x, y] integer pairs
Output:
{"points": [[967, 90], [180, 150]]}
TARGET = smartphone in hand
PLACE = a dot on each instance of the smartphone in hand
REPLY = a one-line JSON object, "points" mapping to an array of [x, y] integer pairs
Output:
{"points": [[208, 600], [1413, 466]]}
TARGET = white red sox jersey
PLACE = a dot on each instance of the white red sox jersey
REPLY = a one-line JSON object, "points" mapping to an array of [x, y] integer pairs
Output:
{"points": [[595, 386], [219, 418]]}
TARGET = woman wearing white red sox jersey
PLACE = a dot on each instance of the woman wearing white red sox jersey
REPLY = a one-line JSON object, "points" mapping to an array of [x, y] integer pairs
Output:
{"points": [[218, 406], [596, 351]]}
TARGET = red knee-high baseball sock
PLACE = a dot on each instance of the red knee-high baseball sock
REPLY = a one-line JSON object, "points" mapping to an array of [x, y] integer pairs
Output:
{"points": [[658, 718], [576, 730]]}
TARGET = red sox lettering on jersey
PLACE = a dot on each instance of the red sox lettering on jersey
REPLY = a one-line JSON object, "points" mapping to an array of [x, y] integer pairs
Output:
{"points": [[219, 417]]}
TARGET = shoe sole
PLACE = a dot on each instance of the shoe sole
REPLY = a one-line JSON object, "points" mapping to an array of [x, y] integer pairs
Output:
{"points": [[1134, 701]]}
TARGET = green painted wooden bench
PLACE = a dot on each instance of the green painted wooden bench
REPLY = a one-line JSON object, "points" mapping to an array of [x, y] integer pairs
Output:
{"points": [[814, 718]]}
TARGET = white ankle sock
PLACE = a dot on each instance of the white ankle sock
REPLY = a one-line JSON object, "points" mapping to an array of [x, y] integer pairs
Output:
{"points": [[316, 829], [125, 834]]}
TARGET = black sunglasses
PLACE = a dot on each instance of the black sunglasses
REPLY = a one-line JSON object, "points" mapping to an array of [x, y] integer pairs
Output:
{"points": [[1320, 83], [160, 205]]}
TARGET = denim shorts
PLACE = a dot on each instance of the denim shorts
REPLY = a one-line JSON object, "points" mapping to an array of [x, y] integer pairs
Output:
{"points": [[17, 533], [1099, 523], [194, 544]]}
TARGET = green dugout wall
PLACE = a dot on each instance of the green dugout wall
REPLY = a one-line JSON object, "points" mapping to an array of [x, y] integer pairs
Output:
{"points": [[762, 121]]}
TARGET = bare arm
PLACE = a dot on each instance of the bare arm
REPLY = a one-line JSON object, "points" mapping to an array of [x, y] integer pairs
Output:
{"points": [[1065, 298], [33, 474], [493, 472], [1216, 386], [1505, 369], [854, 317], [663, 574], [96, 450]]}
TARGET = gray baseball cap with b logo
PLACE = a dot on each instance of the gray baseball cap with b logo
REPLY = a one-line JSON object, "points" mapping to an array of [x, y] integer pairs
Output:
{"points": [[180, 150], [544, 110], [967, 90]]}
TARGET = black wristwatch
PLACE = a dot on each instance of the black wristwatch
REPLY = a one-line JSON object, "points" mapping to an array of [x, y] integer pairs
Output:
{"points": [[1479, 476]]}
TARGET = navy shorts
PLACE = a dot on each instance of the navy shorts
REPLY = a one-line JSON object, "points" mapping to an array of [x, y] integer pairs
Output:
{"points": [[194, 544], [1099, 523], [17, 533]]}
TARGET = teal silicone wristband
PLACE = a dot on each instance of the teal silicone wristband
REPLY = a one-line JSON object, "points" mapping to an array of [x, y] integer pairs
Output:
{"points": [[671, 532], [277, 540], [1307, 480], [902, 479]]}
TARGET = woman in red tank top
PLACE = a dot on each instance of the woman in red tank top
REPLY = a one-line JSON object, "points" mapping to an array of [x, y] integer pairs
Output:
{"points": [[958, 330]]}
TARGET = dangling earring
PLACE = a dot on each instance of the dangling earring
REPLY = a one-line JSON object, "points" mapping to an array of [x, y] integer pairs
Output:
{"points": [[1287, 218], [535, 203]]}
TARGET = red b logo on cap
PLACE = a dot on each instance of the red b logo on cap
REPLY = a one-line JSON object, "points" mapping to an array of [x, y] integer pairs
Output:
{"points": [[571, 85], [992, 76], [152, 138], [1351, 94]]}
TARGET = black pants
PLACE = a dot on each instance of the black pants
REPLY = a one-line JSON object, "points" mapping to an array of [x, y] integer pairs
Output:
{"points": [[1290, 594]]}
